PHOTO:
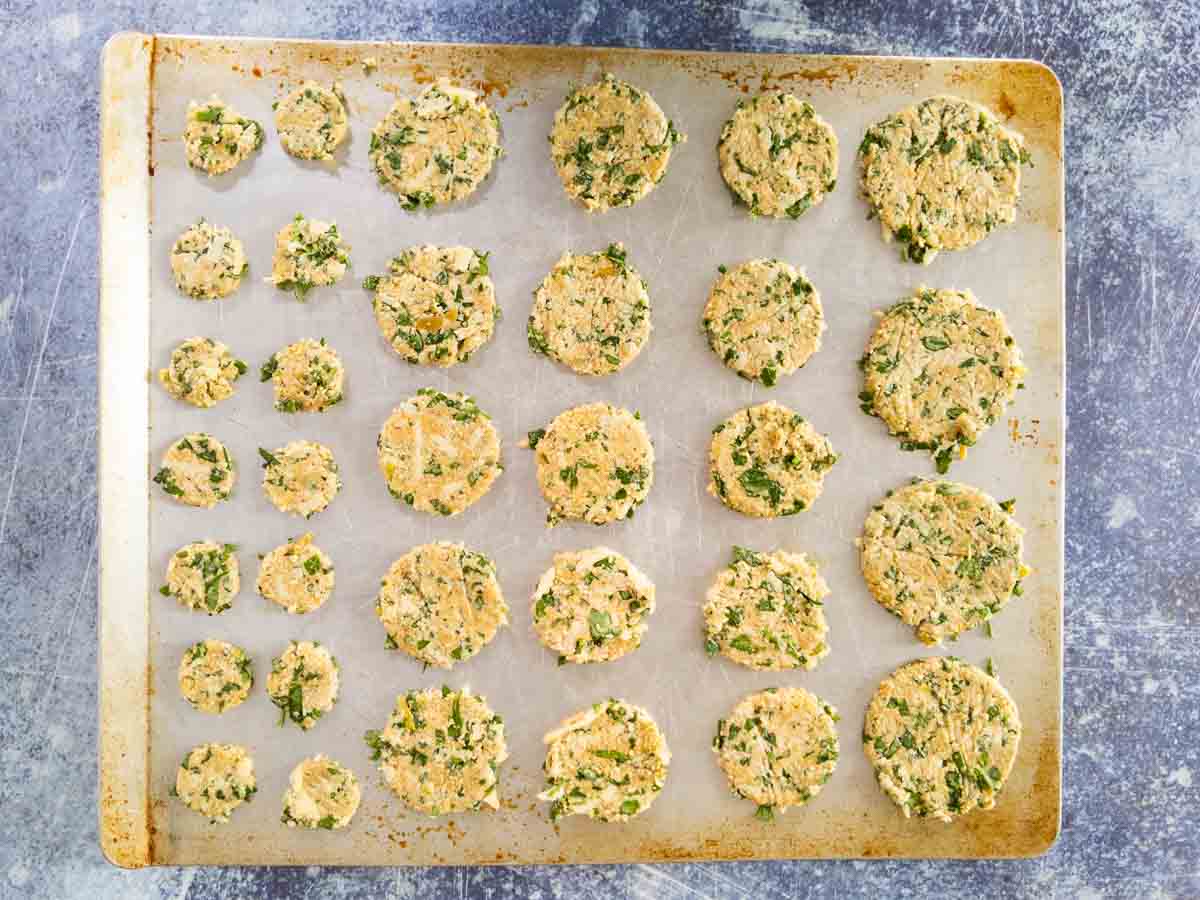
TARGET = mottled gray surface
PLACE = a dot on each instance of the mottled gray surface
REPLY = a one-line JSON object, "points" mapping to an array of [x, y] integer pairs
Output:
{"points": [[1133, 509]]}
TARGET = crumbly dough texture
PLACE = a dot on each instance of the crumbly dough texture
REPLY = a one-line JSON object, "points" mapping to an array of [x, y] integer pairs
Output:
{"points": [[437, 147], [611, 144], [441, 751], [300, 478], [940, 175], [197, 470], [216, 137], [939, 370], [203, 575], [215, 676], [307, 376], [607, 762], [592, 606], [764, 319], [215, 779], [304, 683], [309, 253], [202, 372], [777, 155], [942, 737], [312, 121], [944, 557], [322, 793], [208, 262], [765, 611], [767, 461], [591, 313], [297, 576], [439, 453], [778, 748], [435, 305], [595, 463], [441, 603]]}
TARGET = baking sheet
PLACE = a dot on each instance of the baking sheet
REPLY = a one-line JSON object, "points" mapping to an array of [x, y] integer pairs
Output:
{"points": [[681, 537]]}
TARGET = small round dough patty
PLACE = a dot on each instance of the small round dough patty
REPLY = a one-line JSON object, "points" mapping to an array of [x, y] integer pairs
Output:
{"points": [[300, 478], [939, 369], [591, 313], [764, 319], [608, 762], [437, 147], [215, 779], [942, 737], [304, 683], [208, 262], [307, 376], [309, 253], [765, 611], [778, 747], [203, 575], [439, 453], [436, 305], [944, 557], [767, 460], [611, 144], [202, 372], [216, 137], [322, 793], [595, 463], [312, 121], [940, 175], [441, 603], [197, 470], [592, 606], [297, 575], [777, 155], [441, 751], [215, 676]]}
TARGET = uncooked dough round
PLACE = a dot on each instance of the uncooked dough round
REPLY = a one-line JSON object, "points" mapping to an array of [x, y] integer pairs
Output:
{"points": [[203, 575], [297, 575], [312, 121], [197, 470], [309, 253], [216, 137], [321, 793], [208, 262], [202, 372], [307, 376], [215, 779], [300, 478], [303, 683], [215, 676]]}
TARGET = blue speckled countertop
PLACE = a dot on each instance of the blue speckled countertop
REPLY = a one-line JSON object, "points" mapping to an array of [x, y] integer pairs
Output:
{"points": [[1132, 763]]}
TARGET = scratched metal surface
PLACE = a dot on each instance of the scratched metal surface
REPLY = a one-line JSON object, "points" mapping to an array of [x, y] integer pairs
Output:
{"points": [[1131, 659]]}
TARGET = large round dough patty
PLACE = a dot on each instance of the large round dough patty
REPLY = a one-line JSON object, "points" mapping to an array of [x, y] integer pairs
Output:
{"points": [[203, 575], [595, 463], [940, 175], [777, 748], [208, 262], [764, 319], [611, 144], [778, 155], [764, 611], [311, 121], [202, 372], [939, 369], [608, 762], [307, 376], [439, 453], [215, 676], [441, 603], [304, 683], [591, 313], [216, 137], [767, 460], [309, 253], [942, 736], [301, 477], [197, 470], [297, 575], [321, 794], [942, 556], [215, 779], [436, 305], [592, 606], [441, 751]]}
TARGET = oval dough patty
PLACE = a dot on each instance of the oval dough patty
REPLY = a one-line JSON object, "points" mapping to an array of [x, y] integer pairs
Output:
{"points": [[436, 305], [942, 556], [777, 155], [204, 576], [208, 262], [307, 376], [768, 461], [592, 606], [197, 470], [304, 683], [939, 369], [215, 779], [441, 751], [942, 737], [216, 138], [300, 477], [311, 121], [765, 611], [297, 575], [215, 676], [441, 603], [764, 319], [202, 372], [608, 762], [321, 793], [611, 144], [940, 175], [309, 253], [777, 748], [439, 452], [591, 313]]}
